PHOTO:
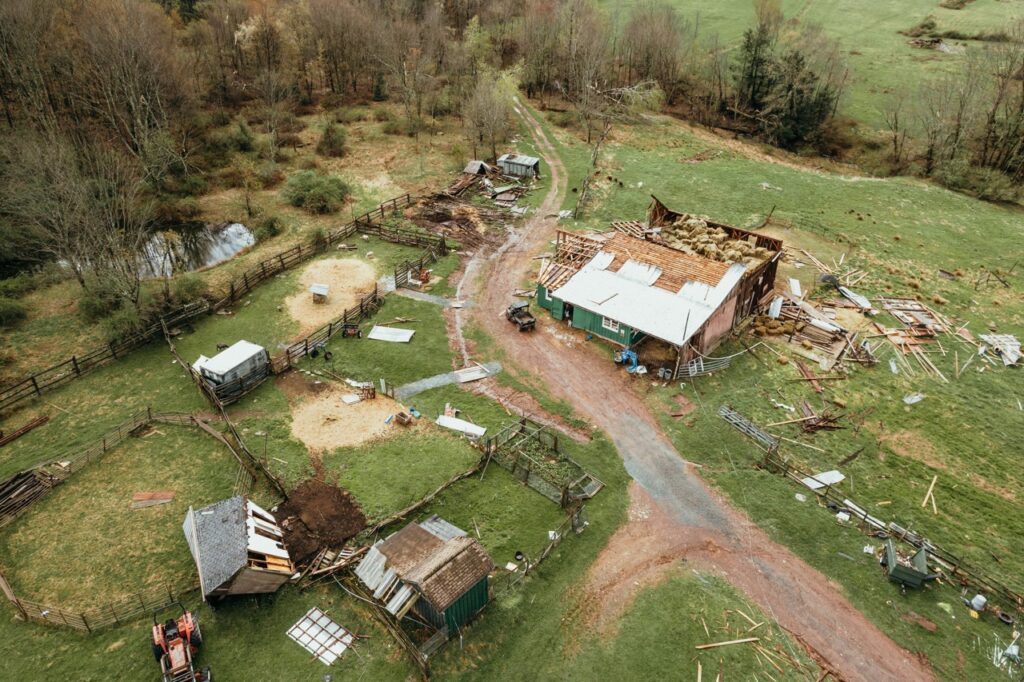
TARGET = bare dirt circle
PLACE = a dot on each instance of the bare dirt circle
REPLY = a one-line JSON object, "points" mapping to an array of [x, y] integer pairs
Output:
{"points": [[324, 422], [348, 279]]}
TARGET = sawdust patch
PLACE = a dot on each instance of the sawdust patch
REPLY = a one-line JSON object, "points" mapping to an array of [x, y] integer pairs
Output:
{"points": [[324, 422], [348, 279]]}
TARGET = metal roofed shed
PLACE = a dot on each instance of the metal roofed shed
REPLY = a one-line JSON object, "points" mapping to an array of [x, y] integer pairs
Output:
{"points": [[238, 548], [433, 568], [319, 292], [476, 167], [239, 360], [519, 166]]}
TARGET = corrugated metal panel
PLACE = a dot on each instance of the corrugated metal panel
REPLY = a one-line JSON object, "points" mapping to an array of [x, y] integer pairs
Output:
{"points": [[371, 569], [441, 528], [398, 601]]}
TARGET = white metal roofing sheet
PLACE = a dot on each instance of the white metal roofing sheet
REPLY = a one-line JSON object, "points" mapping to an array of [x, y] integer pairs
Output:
{"points": [[671, 317]]}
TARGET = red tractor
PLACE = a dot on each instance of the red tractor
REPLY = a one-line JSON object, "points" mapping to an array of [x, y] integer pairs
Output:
{"points": [[175, 643]]}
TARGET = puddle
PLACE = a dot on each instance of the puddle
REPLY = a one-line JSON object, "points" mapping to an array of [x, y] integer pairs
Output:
{"points": [[193, 247]]}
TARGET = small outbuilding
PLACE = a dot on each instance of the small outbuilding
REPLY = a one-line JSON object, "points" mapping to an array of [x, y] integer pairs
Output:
{"points": [[319, 292], [519, 166], [235, 362], [238, 548], [476, 167], [432, 568]]}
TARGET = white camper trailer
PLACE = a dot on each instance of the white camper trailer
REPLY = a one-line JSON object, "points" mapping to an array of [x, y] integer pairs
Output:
{"points": [[235, 362]]}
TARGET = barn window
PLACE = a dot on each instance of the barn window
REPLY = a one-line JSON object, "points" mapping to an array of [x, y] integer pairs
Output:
{"points": [[610, 324]]}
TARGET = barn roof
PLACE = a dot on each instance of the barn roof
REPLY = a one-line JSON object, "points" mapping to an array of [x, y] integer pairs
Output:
{"points": [[436, 557], [451, 571], [677, 267], [407, 548]]}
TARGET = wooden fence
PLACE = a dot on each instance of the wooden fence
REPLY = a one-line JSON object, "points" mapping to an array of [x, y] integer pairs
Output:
{"points": [[367, 305], [22, 490], [58, 375], [137, 605], [564, 482], [957, 567]]}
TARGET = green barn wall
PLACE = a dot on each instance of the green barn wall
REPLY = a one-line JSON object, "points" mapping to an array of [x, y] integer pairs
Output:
{"points": [[591, 322], [543, 300], [466, 606]]}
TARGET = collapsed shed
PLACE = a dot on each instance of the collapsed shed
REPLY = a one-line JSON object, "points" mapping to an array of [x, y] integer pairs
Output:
{"points": [[519, 165], [238, 548], [432, 568], [638, 282]]}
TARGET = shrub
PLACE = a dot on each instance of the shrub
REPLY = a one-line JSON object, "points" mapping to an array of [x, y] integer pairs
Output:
{"points": [[270, 226], [382, 115], [269, 175], [351, 114], [289, 123], [242, 137], [188, 288], [289, 140], [309, 163], [123, 321], [16, 286], [11, 312], [316, 192], [332, 140], [97, 303]]}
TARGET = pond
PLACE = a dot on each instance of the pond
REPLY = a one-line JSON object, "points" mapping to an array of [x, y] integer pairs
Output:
{"points": [[193, 247]]}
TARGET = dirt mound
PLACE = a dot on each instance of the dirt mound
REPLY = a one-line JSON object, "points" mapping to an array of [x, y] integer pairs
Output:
{"points": [[323, 422], [348, 279], [315, 515]]}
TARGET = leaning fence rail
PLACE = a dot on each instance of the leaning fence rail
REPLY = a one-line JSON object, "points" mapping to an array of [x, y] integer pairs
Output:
{"points": [[76, 366], [958, 568]]}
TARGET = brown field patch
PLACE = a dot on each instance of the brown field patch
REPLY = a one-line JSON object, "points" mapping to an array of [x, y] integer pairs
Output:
{"points": [[348, 279], [323, 422]]}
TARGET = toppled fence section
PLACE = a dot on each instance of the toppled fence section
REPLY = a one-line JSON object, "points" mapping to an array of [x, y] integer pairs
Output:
{"points": [[531, 453]]}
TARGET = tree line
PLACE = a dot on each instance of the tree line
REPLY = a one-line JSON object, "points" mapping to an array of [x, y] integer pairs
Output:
{"points": [[117, 112]]}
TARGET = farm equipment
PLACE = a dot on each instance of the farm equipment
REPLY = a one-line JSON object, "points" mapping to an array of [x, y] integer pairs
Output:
{"points": [[519, 314], [350, 331], [629, 358], [175, 644]]}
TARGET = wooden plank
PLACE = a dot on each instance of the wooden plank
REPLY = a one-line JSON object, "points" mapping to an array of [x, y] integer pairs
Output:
{"points": [[713, 645]]}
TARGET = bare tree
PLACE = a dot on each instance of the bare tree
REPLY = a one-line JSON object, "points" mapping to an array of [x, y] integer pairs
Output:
{"points": [[586, 36], [132, 77], [488, 112], [896, 123], [656, 41]]}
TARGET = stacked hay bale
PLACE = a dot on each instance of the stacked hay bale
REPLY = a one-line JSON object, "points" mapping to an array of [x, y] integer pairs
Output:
{"points": [[766, 326], [693, 235]]}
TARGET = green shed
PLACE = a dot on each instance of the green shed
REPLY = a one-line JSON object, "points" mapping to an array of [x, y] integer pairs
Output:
{"points": [[432, 568]]}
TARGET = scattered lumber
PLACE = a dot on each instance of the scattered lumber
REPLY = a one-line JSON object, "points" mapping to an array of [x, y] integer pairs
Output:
{"points": [[18, 433], [713, 645]]}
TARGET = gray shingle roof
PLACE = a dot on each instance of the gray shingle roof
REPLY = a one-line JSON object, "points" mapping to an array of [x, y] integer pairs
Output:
{"points": [[220, 543]]}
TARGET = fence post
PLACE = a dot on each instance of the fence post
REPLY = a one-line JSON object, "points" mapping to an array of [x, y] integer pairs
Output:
{"points": [[85, 621], [74, 363], [245, 276], [5, 587], [113, 351], [231, 296], [35, 385]]}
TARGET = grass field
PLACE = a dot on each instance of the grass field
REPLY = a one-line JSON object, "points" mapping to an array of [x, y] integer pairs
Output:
{"points": [[881, 62], [87, 527], [902, 232]]}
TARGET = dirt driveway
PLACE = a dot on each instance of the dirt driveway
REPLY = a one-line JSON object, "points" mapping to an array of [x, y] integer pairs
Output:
{"points": [[692, 521]]}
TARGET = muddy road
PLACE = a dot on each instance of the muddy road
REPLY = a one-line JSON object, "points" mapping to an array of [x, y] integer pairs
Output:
{"points": [[687, 520]]}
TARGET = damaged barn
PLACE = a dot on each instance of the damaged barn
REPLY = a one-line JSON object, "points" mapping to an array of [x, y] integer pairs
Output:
{"points": [[678, 280]]}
